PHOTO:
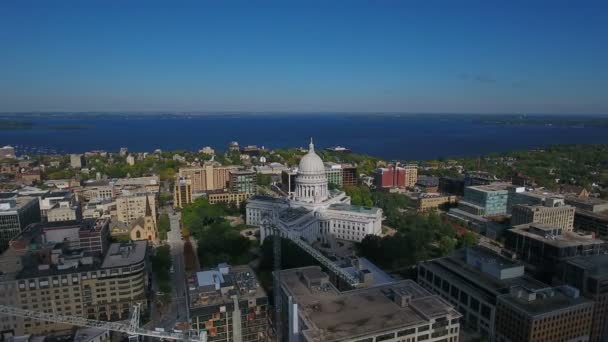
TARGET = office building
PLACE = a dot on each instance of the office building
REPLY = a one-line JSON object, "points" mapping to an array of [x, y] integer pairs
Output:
{"points": [[64, 213], [243, 181], [485, 200], [471, 280], [589, 221], [349, 175], [182, 192], [7, 152], [131, 207], [452, 186], [43, 275], [474, 178], [90, 235], [333, 172], [428, 184], [544, 248], [208, 176], [519, 195], [550, 314], [554, 213], [229, 304], [315, 310], [411, 175], [590, 276], [77, 161], [16, 213], [591, 204]]}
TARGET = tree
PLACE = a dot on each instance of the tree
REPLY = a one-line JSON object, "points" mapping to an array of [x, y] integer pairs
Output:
{"points": [[164, 226], [469, 239], [263, 180]]}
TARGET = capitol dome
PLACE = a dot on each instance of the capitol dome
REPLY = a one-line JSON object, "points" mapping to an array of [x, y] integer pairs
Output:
{"points": [[311, 163], [311, 182]]}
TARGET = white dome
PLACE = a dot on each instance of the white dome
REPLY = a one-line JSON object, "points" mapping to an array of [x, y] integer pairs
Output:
{"points": [[311, 163]]}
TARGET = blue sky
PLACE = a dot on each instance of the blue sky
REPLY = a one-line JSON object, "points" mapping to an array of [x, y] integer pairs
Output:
{"points": [[352, 56]]}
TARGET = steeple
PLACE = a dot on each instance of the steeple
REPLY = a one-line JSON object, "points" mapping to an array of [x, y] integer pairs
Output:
{"points": [[148, 208], [311, 146]]}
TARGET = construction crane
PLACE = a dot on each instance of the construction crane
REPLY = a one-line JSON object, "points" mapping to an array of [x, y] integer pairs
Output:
{"points": [[279, 233], [131, 328]]}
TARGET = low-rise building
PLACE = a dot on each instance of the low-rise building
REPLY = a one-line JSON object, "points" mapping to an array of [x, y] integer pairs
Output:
{"points": [[56, 199], [550, 314], [315, 310], [227, 197], [227, 302], [151, 184], [428, 202], [7, 152], [64, 213]]}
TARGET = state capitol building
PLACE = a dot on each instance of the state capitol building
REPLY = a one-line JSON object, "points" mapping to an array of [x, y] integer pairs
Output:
{"points": [[314, 212]]}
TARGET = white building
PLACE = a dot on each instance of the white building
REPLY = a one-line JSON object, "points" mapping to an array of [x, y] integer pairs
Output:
{"points": [[314, 211]]}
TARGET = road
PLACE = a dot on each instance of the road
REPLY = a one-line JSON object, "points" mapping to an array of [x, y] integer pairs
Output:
{"points": [[178, 309]]}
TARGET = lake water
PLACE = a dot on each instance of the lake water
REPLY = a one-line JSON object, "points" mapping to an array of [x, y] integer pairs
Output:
{"points": [[409, 138]]}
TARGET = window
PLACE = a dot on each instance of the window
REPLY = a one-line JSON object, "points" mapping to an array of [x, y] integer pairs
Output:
{"points": [[474, 304], [485, 311]]}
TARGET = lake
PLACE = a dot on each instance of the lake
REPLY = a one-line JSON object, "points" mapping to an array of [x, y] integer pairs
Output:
{"points": [[392, 137]]}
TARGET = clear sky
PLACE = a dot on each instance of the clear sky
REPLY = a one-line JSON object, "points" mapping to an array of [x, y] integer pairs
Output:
{"points": [[364, 56]]}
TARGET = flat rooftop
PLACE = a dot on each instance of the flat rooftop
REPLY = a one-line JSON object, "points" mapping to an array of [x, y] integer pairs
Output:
{"points": [[14, 203], [565, 239], [587, 200], [269, 199], [125, 254], [596, 265], [455, 267], [331, 315], [545, 301], [490, 187], [239, 280], [354, 208]]}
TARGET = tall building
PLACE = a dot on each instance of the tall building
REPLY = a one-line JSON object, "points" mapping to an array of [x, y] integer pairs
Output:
{"points": [[229, 304], [314, 212], [485, 200], [550, 314], [315, 310], [16, 213], [349, 175], [207, 177], [390, 177], [589, 221], [544, 249], [43, 275], [182, 193], [561, 216], [590, 276], [77, 161], [131, 207], [411, 175], [131, 160], [471, 280], [244, 181]]}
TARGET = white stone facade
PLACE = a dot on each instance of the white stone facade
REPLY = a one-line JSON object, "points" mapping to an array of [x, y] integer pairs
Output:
{"points": [[314, 212]]}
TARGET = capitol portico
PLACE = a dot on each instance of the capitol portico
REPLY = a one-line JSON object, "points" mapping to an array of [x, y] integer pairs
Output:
{"points": [[314, 212]]}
